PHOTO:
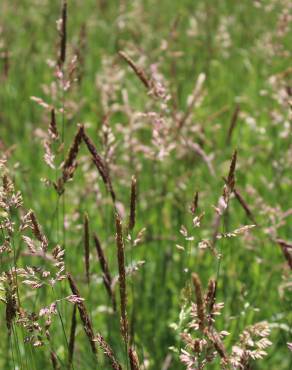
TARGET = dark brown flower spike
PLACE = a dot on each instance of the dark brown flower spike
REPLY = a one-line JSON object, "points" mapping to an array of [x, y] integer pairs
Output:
{"points": [[199, 300], [63, 34], [107, 279], [138, 71], [122, 278], [86, 246], [132, 218], [100, 165], [87, 325]]}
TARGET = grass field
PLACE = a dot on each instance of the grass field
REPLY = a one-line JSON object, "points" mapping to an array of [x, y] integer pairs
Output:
{"points": [[145, 157]]}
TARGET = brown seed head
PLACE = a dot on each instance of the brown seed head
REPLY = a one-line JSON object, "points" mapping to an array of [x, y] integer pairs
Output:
{"points": [[63, 34], [86, 246], [132, 218], [69, 164], [108, 352], [231, 175], [122, 277], [107, 279], [37, 232], [199, 300], [133, 357], [195, 203], [71, 345], [87, 325], [138, 71], [53, 130], [100, 165]]}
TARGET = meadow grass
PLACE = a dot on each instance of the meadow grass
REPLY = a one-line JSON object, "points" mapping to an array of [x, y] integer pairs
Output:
{"points": [[150, 112]]}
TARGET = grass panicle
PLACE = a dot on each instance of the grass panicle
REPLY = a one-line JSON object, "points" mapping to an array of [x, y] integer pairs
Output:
{"points": [[108, 352], [133, 359], [218, 345], [53, 129], [69, 164], [100, 165], [54, 360], [11, 302], [210, 297], [287, 250], [86, 321], [36, 229], [133, 200], [63, 34], [199, 300], [86, 246], [107, 278], [140, 73], [71, 345], [195, 203], [122, 277], [244, 205], [233, 122], [164, 102], [231, 174]]}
